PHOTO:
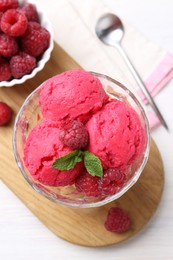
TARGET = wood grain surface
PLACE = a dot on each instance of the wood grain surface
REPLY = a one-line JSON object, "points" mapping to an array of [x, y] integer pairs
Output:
{"points": [[79, 226]]}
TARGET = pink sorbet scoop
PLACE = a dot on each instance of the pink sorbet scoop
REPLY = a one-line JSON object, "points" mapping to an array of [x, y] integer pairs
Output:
{"points": [[74, 94], [116, 134]]}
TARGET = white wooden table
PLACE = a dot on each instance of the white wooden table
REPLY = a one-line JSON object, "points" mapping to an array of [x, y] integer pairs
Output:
{"points": [[23, 237]]}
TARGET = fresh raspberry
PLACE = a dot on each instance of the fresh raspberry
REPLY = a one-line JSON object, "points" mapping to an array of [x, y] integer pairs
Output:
{"points": [[31, 12], [74, 135], [35, 40], [8, 45], [87, 184], [117, 220], [14, 23], [5, 71], [8, 4], [113, 179], [5, 113], [22, 64]]}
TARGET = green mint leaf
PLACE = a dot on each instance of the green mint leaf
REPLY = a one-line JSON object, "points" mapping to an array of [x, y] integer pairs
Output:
{"points": [[93, 164], [68, 161]]}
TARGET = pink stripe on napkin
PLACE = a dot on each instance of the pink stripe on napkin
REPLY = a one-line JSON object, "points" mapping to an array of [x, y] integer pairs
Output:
{"points": [[160, 77], [156, 82], [153, 120]]}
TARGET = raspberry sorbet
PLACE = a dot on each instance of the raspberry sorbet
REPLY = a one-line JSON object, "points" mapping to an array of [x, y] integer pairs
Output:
{"points": [[79, 117]]}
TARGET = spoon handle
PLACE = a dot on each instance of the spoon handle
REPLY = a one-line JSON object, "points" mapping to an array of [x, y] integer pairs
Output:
{"points": [[141, 84]]}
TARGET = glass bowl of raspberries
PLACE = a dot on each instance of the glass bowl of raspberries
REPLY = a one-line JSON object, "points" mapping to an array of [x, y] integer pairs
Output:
{"points": [[81, 139], [26, 41]]}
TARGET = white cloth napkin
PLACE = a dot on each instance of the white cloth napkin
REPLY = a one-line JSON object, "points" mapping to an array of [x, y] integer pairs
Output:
{"points": [[74, 27]]}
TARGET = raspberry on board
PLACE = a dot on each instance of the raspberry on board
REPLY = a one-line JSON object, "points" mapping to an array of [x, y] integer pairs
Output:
{"points": [[8, 4], [5, 70], [8, 45], [31, 12], [35, 40], [113, 179], [117, 220], [14, 23], [87, 184], [74, 135], [5, 113], [22, 64]]}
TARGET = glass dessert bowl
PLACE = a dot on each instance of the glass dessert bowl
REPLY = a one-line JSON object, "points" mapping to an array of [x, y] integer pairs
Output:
{"points": [[118, 133]]}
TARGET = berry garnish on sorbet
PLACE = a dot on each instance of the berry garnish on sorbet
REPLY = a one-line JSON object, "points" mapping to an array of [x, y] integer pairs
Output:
{"points": [[74, 135], [113, 179], [88, 184]]}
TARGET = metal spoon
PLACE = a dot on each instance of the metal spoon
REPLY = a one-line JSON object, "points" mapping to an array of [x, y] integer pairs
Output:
{"points": [[110, 31]]}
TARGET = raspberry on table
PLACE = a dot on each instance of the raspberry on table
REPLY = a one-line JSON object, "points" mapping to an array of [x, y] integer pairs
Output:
{"points": [[5, 113], [5, 70], [74, 135], [22, 64], [113, 179], [8, 45], [87, 184], [117, 220], [35, 40], [8, 4], [14, 23], [31, 12]]}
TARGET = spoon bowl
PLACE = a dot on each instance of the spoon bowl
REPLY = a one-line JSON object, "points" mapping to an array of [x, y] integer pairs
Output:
{"points": [[109, 29]]}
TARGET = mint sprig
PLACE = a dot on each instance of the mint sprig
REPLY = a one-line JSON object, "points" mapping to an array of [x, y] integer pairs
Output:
{"points": [[92, 162], [68, 161]]}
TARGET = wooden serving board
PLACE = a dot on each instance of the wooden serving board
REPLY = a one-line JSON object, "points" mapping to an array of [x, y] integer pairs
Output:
{"points": [[79, 226]]}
